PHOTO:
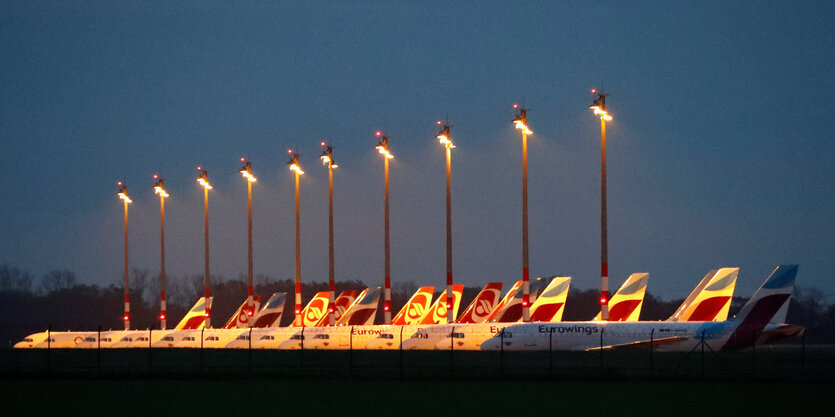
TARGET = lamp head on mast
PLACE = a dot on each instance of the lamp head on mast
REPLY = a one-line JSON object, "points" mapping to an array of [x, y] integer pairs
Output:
{"points": [[327, 155], [294, 163], [383, 145], [246, 171], [203, 178], [443, 135], [520, 121], [159, 187], [598, 105], [123, 192]]}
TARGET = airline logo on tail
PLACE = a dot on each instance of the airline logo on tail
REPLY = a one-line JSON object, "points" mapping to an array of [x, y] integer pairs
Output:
{"points": [[768, 306], [415, 308], [711, 299], [315, 309], [363, 310], [512, 311], [438, 313], [340, 305], [243, 316], [626, 304], [548, 307], [196, 317], [505, 301], [270, 315], [479, 310]]}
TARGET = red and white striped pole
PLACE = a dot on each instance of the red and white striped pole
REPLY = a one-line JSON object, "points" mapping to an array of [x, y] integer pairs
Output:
{"points": [[159, 189], [295, 167], [599, 108], [382, 147], [445, 139], [521, 123], [123, 195], [246, 171]]}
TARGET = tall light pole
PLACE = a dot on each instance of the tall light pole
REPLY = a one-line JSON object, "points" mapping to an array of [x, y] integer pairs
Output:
{"points": [[599, 108], [123, 195], [246, 172], [521, 122], [297, 169], [203, 180], [445, 140], [327, 160], [159, 189], [383, 148]]}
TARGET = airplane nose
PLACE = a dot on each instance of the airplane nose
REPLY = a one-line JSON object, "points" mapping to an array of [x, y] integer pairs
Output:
{"points": [[409, 344]]}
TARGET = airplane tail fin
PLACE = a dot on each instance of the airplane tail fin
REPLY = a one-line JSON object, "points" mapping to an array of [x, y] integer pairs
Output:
{"points": [[506, 301], [196, 317], [315, 309], [768, 305], [512, 311], [270, 315], [711, 300], [243, 315], [438, 313], [626, 304], [340, 304], [415, 308], [548, 306], [363, 310], [484, 303]]}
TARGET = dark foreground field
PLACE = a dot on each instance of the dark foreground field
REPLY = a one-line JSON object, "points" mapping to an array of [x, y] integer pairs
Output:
{"points": [[219, 382]]}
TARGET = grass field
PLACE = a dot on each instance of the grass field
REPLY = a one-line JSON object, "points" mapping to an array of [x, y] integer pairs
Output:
{"points": [[220, 382]]}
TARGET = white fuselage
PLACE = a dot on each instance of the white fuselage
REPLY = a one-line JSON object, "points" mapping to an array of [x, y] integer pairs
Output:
{"points": [[582, 336]]}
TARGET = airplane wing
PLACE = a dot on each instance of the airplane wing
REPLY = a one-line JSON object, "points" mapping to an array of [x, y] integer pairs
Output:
{"points": [[663, 341]]}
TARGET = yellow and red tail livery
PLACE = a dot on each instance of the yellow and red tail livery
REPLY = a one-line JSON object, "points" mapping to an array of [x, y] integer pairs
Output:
{"points": [[483, 305], [548, 306], [437, 314], [711, 300], [196, 317], [415, 308], [626, 304]]}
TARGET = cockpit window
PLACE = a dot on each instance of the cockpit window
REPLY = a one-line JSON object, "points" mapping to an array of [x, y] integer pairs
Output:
{"points": [[297, 337], [322, 336]]}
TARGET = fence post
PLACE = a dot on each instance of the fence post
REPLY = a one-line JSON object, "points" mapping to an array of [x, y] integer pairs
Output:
{"points": [[98, 349], [301, 350], [501, 353], [651, 346], [203, 329], [601, 348], [754, 354], [401, 351], [249, 348], [49, 349], [451, 349], [351, 352], [703, 353], [550, 351], [150, 353], [803, 356]]}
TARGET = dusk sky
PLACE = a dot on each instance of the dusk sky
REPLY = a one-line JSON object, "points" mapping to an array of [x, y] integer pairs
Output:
{"points": [[720, 152]]}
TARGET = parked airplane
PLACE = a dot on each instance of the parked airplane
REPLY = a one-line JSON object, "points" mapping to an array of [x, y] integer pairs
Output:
{"points": [[477, 312], [363, 309], [195, 318], [335, 338], [760, 321], [340, 305], [546, 306], [711, 300]]}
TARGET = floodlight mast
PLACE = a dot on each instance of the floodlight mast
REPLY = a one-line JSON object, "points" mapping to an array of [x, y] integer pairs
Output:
{"points": [[159, 189], [246, 172], [123, 195], [203, 180], [445, 139], [296, 168], [520, 122], [383, 149], [327, 159], [598, 106]]}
